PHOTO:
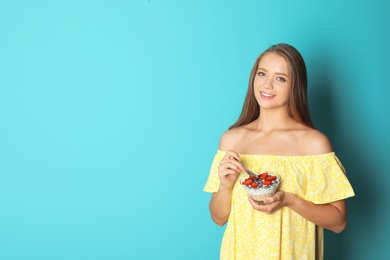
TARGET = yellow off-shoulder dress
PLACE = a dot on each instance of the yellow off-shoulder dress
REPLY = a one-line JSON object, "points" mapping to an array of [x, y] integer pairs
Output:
{"points": [[254, 235]]}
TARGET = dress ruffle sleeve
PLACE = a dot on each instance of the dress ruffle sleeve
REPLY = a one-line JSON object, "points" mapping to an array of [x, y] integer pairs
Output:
{"points": [[327, 180], [212, 184]]}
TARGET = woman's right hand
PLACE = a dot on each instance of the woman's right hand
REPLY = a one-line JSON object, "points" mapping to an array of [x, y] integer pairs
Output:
{"points": [[229, 169]]}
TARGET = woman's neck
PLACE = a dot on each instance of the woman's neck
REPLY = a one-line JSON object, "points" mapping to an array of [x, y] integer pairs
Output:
{"points": [[275, 119]]}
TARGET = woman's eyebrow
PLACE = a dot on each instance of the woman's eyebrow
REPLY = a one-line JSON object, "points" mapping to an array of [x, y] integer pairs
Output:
{"points": [[277, 73], [281, 73]]}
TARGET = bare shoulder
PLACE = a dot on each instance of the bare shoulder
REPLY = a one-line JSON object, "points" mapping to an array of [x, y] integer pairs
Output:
{"points": [[316, 142], [231, 138]]}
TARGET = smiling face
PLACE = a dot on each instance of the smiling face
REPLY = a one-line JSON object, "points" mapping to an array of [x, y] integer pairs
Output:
{"points": [[278, 79], [273, 81]]}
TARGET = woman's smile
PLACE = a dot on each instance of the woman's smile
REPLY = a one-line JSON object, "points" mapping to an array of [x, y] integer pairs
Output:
{"points": [[266, 95]]}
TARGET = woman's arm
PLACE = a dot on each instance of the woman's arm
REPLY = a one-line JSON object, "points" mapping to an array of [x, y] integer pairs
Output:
{"points": [[220, 204], [332, 216], [228, 171]]}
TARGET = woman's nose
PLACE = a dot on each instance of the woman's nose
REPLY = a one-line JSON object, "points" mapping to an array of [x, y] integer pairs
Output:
{"points": [[268, 83]]}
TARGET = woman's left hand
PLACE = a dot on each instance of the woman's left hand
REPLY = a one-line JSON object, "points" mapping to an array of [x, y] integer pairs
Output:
{"points": [[270, 204]]}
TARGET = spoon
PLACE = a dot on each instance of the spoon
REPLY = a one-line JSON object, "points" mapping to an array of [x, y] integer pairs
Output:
{"points": [[251, 173], [248, 171]]}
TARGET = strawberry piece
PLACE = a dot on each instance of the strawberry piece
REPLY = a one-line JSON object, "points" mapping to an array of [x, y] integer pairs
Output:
{"points": [[247, 182], [263, 175], [270, 178], [254, 185], [266, 183]]}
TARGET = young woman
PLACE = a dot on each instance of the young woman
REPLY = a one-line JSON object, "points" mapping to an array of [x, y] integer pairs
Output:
{"points": [[275, 133]]}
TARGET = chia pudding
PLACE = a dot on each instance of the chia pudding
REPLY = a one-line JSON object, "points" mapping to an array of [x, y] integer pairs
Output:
{"points": [[261, 186]]}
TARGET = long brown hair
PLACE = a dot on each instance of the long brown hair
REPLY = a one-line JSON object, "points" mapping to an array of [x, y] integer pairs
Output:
{"points": [[298, 106]]}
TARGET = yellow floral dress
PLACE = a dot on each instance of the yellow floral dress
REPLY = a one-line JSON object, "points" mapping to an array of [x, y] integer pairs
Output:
{"points": [[251, 234]]}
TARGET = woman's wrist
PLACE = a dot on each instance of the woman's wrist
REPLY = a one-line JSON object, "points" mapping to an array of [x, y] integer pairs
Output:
{"points": [[289, 199], [223, 187]]}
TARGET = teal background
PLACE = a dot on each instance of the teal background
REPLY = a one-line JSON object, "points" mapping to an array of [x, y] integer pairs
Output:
{"points": [[111, 112]]}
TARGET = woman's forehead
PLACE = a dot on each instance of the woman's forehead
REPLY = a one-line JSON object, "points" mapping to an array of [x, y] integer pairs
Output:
{"points": [[275, 62]]}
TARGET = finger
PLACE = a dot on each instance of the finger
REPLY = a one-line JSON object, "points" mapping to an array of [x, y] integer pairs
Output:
{"points": [[229, 172], [268, 201], [232, 155], [239, 165], [260, 206], [273, 199], [233, 159], [233, 164], [255, 204], [252, 202]]}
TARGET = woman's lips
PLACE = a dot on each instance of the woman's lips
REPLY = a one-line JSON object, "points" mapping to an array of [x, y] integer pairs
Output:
{"points": [[266, 95]]}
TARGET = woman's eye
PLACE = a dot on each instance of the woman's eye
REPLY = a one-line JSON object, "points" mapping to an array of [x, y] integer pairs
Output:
{"points": [[261, 73], [281, 79]]}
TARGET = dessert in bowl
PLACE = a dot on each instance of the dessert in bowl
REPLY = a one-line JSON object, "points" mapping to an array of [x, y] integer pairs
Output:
{"points": [[261, 186]]}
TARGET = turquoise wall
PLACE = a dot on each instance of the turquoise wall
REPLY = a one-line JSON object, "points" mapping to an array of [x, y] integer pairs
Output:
{"points": [[111, 112]]}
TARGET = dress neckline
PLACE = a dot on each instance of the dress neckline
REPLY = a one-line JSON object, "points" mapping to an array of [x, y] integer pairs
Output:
{"points": [[283, 156]]}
